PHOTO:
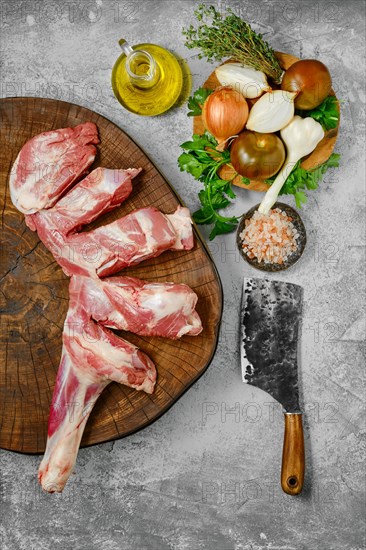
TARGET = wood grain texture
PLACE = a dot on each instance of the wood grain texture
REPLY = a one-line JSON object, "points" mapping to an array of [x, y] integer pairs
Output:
{"points": [[293, 455], [317, 157], [34, 294]]}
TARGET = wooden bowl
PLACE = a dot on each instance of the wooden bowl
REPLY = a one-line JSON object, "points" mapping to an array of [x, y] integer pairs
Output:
{"points": [[298, 223], [320, 154]]}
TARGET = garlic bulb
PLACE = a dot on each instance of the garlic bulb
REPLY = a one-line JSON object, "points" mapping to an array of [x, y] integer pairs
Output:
{"points": [[249, 82], [301, 136], [272, 112]]}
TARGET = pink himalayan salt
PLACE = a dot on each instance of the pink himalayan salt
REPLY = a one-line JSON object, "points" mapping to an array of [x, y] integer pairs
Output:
{"points": [[270, 238]]}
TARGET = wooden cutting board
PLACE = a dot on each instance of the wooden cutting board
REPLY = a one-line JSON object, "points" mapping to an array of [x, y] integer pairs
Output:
{"points": [[34, 294], [320, 154]]}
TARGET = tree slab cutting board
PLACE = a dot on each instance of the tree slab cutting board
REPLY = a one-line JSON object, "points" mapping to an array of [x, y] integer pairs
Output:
{"points": [[34, 294]]}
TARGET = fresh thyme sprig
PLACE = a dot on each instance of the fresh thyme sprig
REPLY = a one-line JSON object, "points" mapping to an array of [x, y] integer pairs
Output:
{"points": [[231, 37]]}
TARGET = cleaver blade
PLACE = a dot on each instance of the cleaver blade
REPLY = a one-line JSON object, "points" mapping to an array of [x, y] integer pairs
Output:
{"points": [[270, 320]]}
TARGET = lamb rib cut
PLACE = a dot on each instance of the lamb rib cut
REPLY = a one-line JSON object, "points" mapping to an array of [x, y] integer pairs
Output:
{"points": [[142, 235], [100, 192], [49, 164], [148, 309], [139, 236], [92, 357]]}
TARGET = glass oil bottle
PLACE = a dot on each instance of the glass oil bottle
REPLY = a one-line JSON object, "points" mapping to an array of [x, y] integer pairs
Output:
{"points": [[147, 79]]}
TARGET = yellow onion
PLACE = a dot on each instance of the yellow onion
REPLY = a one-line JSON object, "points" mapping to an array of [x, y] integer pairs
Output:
{"points": [[224, 114]]}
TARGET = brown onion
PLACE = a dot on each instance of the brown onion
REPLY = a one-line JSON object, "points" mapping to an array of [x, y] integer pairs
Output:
{"points": [[311, 79], [224, 114], [257, 156]]}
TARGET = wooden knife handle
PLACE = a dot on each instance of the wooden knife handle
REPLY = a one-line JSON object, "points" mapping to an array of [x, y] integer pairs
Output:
{"points": [[293, 457]]}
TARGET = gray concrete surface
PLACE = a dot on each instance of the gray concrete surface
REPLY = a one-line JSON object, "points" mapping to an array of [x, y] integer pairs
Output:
{"points": [[202, 477]]}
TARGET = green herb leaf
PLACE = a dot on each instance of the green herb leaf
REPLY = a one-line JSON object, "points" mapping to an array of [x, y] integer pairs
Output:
{"points": [[202, 160], [219, 201], [195, 102], [301, 180], [327, 113], [204, 216], [189, 163], [300, 198], [222, 227], [332, 162], [224, 186], [199, 143], [230, 37]]}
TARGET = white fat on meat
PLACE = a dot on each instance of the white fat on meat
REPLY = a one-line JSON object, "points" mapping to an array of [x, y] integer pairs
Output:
{"points": [[127, 303], [49, 163], [91, 359], [182, 223], [92, 355]]}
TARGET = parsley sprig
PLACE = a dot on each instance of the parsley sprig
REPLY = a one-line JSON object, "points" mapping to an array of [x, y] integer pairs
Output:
{"points": [[203, 161], [301, 180], [327, 113], [195, 102]]}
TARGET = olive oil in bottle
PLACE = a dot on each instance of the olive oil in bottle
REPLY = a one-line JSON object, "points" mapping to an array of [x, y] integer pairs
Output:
{"points": [[147, 79]]}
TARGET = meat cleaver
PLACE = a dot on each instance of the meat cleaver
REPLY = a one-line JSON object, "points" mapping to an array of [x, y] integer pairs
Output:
{"points": [[270, 320]]}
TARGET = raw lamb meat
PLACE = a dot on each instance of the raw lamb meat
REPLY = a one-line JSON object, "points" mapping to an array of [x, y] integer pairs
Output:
{"points": [[49, 163], [101, 191], [92, 357], [139, 236], [148, 309]]}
